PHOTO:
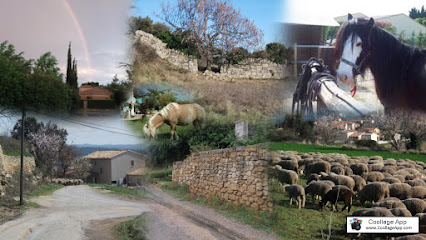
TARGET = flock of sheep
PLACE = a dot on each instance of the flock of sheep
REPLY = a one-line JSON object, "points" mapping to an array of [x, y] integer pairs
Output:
{"points": [[67, 181], [394, 187]]}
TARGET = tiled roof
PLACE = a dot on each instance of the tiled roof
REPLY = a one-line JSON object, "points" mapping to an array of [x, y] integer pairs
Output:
{"points": [[107, 154], [95, 91]]}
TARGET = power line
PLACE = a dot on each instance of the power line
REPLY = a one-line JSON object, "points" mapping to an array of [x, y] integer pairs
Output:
{"points": [[89, 126]]}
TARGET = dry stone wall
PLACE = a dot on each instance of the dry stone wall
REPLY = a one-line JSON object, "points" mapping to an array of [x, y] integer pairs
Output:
{"points": [[12, 164], [249, 69], [173, 56], [257, 68], [237, 175]]}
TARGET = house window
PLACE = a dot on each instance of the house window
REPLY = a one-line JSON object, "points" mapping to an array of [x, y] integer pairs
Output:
{"points": [[132, 163], [101, 170]]}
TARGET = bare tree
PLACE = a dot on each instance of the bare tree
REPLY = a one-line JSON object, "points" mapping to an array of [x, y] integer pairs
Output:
{"points": [[68, 156], [213, 26], [391, 126], [326, 130]]}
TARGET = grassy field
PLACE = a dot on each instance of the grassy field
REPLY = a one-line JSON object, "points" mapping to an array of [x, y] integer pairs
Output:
{"points": [[288, 222], [285, 146]]}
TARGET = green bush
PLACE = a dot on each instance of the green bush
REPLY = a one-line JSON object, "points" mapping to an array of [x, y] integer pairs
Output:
{"points": [[164, 151], [371, 144], [164, 174], [101, 104]]}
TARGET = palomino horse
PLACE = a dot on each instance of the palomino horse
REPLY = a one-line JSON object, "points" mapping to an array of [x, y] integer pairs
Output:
{"points": [[399, 70], [174, 114]]}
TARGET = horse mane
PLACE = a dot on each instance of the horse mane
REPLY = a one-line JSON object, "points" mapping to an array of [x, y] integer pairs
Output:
{"points": [[164, 112]]}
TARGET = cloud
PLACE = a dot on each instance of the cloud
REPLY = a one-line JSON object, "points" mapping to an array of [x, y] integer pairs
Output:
{"points": [[48, 25]]}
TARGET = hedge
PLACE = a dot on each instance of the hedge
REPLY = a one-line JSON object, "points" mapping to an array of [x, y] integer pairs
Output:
{"points": [[100, 104]]}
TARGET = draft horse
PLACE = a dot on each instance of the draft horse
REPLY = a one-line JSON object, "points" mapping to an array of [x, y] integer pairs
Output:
{"points": [[174, 114], [399, 70]]}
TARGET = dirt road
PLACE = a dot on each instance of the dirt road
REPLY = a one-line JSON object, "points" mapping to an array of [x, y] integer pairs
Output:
{"points": [[66, 214], [79, 212]]}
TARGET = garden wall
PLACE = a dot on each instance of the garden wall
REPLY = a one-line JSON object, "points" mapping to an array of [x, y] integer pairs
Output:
{"points": [[173, 56], [237, 175]]}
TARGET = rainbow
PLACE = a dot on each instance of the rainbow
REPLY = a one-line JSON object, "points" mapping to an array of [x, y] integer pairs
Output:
{"points": [[82, 37]]}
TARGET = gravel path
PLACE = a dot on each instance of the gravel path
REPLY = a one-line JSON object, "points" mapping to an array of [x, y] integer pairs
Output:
{"points": [[219, 226], [80, 212], [67, 213]]}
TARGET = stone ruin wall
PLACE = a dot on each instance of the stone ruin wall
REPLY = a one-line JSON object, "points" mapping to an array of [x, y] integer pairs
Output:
{"points": [[247, 69], [173, 56], [237, 175]]}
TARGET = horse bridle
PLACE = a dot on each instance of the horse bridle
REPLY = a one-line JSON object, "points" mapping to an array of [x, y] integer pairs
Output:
{"points": [[356, 67]]}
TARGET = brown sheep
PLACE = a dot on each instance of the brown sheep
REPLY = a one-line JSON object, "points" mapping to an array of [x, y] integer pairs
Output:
{"points": [[415, 205], [390, 180], [422, 218], [398, 189], [289, 164], [401, 212], [285, 176], [420, 236], [373, 212], [373, 192], [313, 177], [348, 171], [338, 193], [416, 182], [338, 169], [341, 180], [389, 203], [298, 192], [359, 168], [414, 192], [317, 188], [373, 176], [318, 167], [359, 182]]}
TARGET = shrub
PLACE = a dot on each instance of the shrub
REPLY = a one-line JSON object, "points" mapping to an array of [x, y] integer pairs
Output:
{"points": [[164, 151], [163, 174], [367, 143], [101, 104]]}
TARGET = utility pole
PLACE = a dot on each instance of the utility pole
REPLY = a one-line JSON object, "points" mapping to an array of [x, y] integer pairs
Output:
{"points": [[21, 182]]}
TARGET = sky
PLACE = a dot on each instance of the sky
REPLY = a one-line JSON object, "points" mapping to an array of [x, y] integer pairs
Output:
{"points": [[265, 14], [312, 10], [96, 29]]}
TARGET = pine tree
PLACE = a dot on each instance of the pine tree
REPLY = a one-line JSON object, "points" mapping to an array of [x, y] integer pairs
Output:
{"points": [[71, 78], [68, 78]]}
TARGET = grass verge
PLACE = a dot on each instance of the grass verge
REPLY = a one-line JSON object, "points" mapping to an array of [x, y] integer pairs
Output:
{"points": [[131, 193], [287, 222], [286, 146], [134, 229], [46, 190]]}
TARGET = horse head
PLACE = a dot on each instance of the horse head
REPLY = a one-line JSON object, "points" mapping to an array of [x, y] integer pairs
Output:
{"points": [[149, 131], [352, 48]]}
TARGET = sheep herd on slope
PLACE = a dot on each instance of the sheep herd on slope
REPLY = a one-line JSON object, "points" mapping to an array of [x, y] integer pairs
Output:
{"points": [[394, 187]]}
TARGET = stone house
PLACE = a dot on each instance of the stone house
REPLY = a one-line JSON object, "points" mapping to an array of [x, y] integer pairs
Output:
{"points": [[112, 167], [88, 92]]}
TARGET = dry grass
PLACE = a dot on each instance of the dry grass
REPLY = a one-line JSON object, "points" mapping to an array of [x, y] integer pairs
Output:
{"points": [[241, 99]]}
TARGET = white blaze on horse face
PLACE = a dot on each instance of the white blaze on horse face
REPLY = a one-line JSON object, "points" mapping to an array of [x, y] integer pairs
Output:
{"points": [[351, 52]]}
